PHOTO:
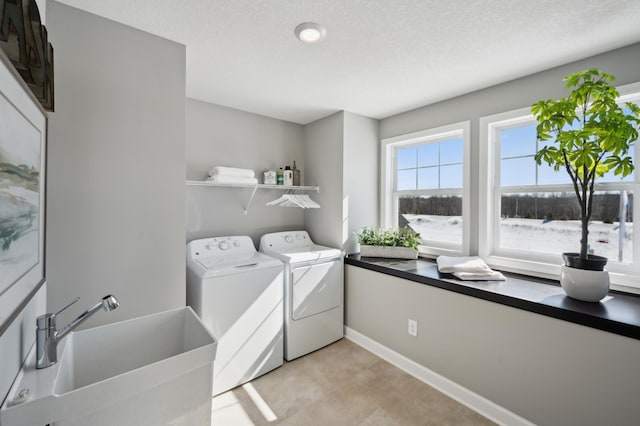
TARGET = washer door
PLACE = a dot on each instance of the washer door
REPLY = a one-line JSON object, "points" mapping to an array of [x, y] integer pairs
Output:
{"points": [[316, 288]]}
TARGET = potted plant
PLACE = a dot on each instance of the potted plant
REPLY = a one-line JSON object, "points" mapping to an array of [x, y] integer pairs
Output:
{"points": [[399, 243], [587, 134]]}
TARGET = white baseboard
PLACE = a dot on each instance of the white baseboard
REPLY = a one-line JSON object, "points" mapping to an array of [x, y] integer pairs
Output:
{"points": [[477, 403]]}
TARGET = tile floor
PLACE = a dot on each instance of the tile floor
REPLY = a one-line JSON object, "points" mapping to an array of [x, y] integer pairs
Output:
{"points": [[342, 384]]}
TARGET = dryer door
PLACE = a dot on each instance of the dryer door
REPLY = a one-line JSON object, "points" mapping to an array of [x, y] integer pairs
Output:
{"points": [[316, 288]]}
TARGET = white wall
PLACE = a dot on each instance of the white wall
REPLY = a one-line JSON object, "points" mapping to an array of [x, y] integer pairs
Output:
{"points": [[220, 136], [116, 168], [549, 371]]}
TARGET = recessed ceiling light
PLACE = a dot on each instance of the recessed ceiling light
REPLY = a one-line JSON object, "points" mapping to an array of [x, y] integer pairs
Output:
{"points": [[310, 32]]}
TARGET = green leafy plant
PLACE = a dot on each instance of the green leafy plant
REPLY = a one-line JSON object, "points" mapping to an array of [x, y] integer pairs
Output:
{"points": [[588, 134], [403, 237]]}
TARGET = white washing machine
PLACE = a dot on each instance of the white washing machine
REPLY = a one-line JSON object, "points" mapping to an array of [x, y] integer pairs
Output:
{"points": [[238, 294], [314, 291]]}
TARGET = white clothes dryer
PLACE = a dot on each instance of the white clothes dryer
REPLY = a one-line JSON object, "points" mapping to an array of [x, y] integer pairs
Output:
{"points": [[313, 291], [238, 294]]}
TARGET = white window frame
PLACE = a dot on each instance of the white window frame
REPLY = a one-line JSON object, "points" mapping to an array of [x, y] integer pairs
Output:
{"points": [[623, 277], [389, 194]]}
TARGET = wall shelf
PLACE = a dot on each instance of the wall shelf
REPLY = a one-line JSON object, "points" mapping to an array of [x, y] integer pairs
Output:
{"points": [[249, 185], [253, 187]]}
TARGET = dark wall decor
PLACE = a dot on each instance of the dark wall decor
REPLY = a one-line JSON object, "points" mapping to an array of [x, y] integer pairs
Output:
{"points": [[24, 40]]}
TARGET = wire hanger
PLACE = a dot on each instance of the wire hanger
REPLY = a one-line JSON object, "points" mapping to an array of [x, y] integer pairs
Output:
{"points": [[294, 200]]}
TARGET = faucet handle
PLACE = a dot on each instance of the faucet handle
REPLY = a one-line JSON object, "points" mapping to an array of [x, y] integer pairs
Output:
{"points": [[48, 320], [69, 304]]}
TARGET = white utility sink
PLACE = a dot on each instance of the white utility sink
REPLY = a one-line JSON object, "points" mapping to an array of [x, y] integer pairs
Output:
{"points": [[109, 375]]}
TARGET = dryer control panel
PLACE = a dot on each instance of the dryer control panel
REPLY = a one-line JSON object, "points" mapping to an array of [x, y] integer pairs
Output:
{"points": [[220, 247], [282, 241]]}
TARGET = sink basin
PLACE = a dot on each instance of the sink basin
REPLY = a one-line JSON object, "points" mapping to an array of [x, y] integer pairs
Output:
{"points": [[104, 369]]}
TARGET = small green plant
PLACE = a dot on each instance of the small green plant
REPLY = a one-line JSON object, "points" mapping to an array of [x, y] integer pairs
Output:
{"points": [[403, 237], [587, 134]]}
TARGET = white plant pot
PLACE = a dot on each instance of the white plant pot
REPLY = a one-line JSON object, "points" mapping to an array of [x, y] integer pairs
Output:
{"points": [[583, 284], [386, 251]]}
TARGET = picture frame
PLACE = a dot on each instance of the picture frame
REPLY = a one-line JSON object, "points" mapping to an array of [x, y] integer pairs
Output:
{"points": [[23, 137]]}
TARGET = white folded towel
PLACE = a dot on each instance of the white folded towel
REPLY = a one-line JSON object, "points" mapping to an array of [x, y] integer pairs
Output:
{"points": [[231, 171], [233, 179], [468, 268], [450, 264], [476, 276]]}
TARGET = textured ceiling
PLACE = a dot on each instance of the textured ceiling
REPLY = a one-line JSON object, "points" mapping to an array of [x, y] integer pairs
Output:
{"points": [[380, 57]]}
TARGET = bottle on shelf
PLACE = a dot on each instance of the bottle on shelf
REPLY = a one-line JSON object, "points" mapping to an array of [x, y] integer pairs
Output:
{"points": [[287, 176], [270, 177], [280, 179], [296, 175]]}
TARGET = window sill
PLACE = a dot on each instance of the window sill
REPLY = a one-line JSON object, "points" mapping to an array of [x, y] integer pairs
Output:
{"points": [[618, 313]]}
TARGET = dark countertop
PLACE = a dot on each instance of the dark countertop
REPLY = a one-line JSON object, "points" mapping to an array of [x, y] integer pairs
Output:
{"points": [[617, 313]]}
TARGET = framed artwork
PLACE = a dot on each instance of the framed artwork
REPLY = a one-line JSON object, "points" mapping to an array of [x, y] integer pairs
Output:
{"points": [[22, 192]]}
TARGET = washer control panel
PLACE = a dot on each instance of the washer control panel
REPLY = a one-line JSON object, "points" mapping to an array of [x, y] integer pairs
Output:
{"points": [[220, 246]]}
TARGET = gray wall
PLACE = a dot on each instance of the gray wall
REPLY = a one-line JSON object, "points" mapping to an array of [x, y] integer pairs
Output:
{"points": [[549, 371], [116, 168], [339, 153], [623, 63], [220, 136], [323, 143], [360, 176]]}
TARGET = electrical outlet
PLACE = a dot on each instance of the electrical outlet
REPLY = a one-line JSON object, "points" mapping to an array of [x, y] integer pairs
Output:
{"points": [[413, 328]]}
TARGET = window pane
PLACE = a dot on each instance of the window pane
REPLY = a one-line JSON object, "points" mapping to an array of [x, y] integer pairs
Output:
{"points": [[406, 179], [451, 176], [550, 223], [451, 151], [436, 218], [407, 157], [428, 155], [428, 178], [518, 171], [548, 176], [518, 141]]}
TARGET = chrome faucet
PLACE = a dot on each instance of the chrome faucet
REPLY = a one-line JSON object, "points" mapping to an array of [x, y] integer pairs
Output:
{"points": [[47, 337]]}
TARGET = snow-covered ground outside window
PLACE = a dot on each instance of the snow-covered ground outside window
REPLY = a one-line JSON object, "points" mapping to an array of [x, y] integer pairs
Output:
{"points": [[536, 235]]}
